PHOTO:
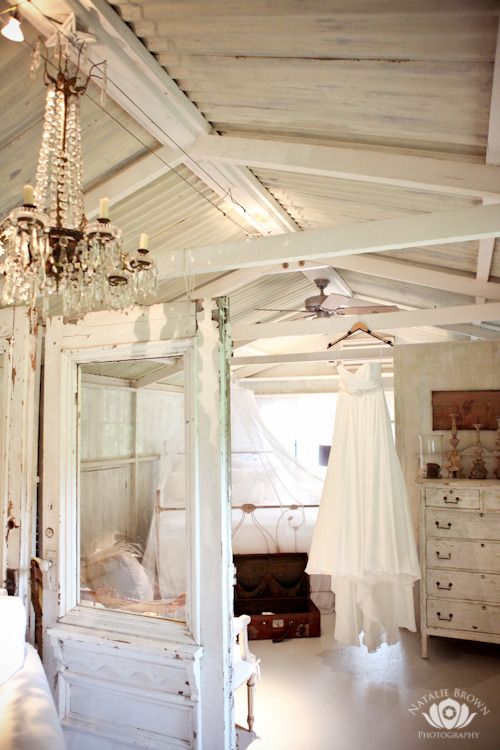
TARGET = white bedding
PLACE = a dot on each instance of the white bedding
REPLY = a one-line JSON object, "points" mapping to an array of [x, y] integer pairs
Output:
{"points": [[28, 716]]}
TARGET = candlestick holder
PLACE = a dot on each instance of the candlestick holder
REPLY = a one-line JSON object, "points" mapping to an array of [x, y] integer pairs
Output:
{"points": [[454, 457], [497, 450], [478, 470]]}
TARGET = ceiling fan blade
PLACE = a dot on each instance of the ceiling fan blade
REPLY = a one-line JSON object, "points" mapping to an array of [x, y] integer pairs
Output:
{"points": [[369, 309], [273, 309], [333, 301]]}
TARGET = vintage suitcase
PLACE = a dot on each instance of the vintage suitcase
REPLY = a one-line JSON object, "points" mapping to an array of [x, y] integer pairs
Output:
{"points": [[274, 591]]}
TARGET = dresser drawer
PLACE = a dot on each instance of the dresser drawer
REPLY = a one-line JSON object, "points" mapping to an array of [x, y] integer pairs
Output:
{"points": [[468, 555], [448, 497], [455, 584], [456, 615], [466, 524], [491, 499]]}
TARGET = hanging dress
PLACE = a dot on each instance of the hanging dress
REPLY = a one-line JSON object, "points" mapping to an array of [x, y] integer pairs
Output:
{"points": [[364, 537]]}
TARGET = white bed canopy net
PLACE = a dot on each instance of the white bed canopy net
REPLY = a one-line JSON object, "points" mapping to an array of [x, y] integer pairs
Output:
{"points": [[274, 499]]}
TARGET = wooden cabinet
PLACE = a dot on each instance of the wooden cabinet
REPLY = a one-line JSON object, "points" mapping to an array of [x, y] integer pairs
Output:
{"points": [[460, 560]]}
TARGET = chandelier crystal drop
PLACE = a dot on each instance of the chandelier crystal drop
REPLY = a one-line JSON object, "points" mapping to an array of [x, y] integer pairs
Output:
{"points": [[48, 246]]}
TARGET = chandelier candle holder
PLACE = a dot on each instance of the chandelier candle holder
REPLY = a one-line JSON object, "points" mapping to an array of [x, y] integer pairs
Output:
{"points": [[497, 450], [478, 470], [48, 246]]}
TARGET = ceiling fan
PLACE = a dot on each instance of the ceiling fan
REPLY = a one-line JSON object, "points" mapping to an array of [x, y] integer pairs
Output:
{"points": [[325, 305]]}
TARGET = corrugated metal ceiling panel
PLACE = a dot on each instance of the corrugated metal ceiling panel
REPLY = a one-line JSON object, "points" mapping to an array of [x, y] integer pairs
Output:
{"points": [[315, 201], [177, 211], [405, 73]]}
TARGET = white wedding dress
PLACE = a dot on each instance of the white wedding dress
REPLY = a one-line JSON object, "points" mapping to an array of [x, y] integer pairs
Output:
{"points": [[364, 537]]}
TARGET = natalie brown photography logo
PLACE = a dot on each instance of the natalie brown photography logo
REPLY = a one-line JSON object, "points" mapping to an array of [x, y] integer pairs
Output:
{"points": [[449, 712]]}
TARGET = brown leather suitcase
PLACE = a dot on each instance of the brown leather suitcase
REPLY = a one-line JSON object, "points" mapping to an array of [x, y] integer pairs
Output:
{"points": [[274, 590]]}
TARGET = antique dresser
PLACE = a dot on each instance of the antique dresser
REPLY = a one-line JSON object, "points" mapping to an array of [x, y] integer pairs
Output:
{"points": [[460, 559]]}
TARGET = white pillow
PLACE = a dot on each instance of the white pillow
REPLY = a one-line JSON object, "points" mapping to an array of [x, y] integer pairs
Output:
{"points": [[123, 573], [12, 636]]}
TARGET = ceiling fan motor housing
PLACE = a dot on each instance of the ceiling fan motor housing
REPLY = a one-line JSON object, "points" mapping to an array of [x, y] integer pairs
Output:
{"points": [[312, 304]]}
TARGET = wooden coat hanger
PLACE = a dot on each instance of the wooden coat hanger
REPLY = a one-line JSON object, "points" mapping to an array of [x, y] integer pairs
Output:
{"points": [[360, 327]]}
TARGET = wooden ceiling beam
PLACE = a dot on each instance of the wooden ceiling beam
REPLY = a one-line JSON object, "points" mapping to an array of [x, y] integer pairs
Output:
{"points": [[357, 164], [350, 239], [376, 321], [308, 370], [359, 354], [474, 331], [411, 274], [487, 246]]}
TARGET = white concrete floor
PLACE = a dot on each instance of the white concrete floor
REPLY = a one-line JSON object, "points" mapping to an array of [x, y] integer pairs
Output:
{"points": [[316, 695]]}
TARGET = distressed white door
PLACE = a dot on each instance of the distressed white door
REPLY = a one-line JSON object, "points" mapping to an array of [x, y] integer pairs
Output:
{"points": [[19, 378], [124, 680]]}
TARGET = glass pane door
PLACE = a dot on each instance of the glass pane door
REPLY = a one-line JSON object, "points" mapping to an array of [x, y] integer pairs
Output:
{"points": [[132, 487]]}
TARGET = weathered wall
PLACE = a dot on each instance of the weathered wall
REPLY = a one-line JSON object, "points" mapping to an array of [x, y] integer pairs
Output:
{"points": [[420, 369]]}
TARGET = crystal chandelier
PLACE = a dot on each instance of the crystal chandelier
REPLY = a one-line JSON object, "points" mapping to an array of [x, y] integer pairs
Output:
{"points": [[48, 245]]}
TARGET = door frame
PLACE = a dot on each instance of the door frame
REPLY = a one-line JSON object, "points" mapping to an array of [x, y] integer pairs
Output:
{"points": [[160, 330], [20, 344]]}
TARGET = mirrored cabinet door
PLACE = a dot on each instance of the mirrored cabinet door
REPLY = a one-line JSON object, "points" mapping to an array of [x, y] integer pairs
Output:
{"points": [[132, 487]]}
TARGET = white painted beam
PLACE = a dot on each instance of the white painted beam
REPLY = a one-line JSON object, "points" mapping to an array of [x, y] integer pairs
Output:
{"points": [[487, 246], [376, 322], [474, 331], [493, 147], [429, 277], [358, 355], [484, 261], [372, 266], [132, 178], [373, 236], [302, 371], [362, 165]]}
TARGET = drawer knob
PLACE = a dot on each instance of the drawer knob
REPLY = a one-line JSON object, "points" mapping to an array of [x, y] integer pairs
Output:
{"points": [[474, 627], [448, 619], [451, 501], [444, 588], [443, 557], [445, 526]]}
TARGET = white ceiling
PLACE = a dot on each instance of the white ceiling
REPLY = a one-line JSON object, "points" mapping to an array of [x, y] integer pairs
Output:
{"points": [[390, 78]]}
